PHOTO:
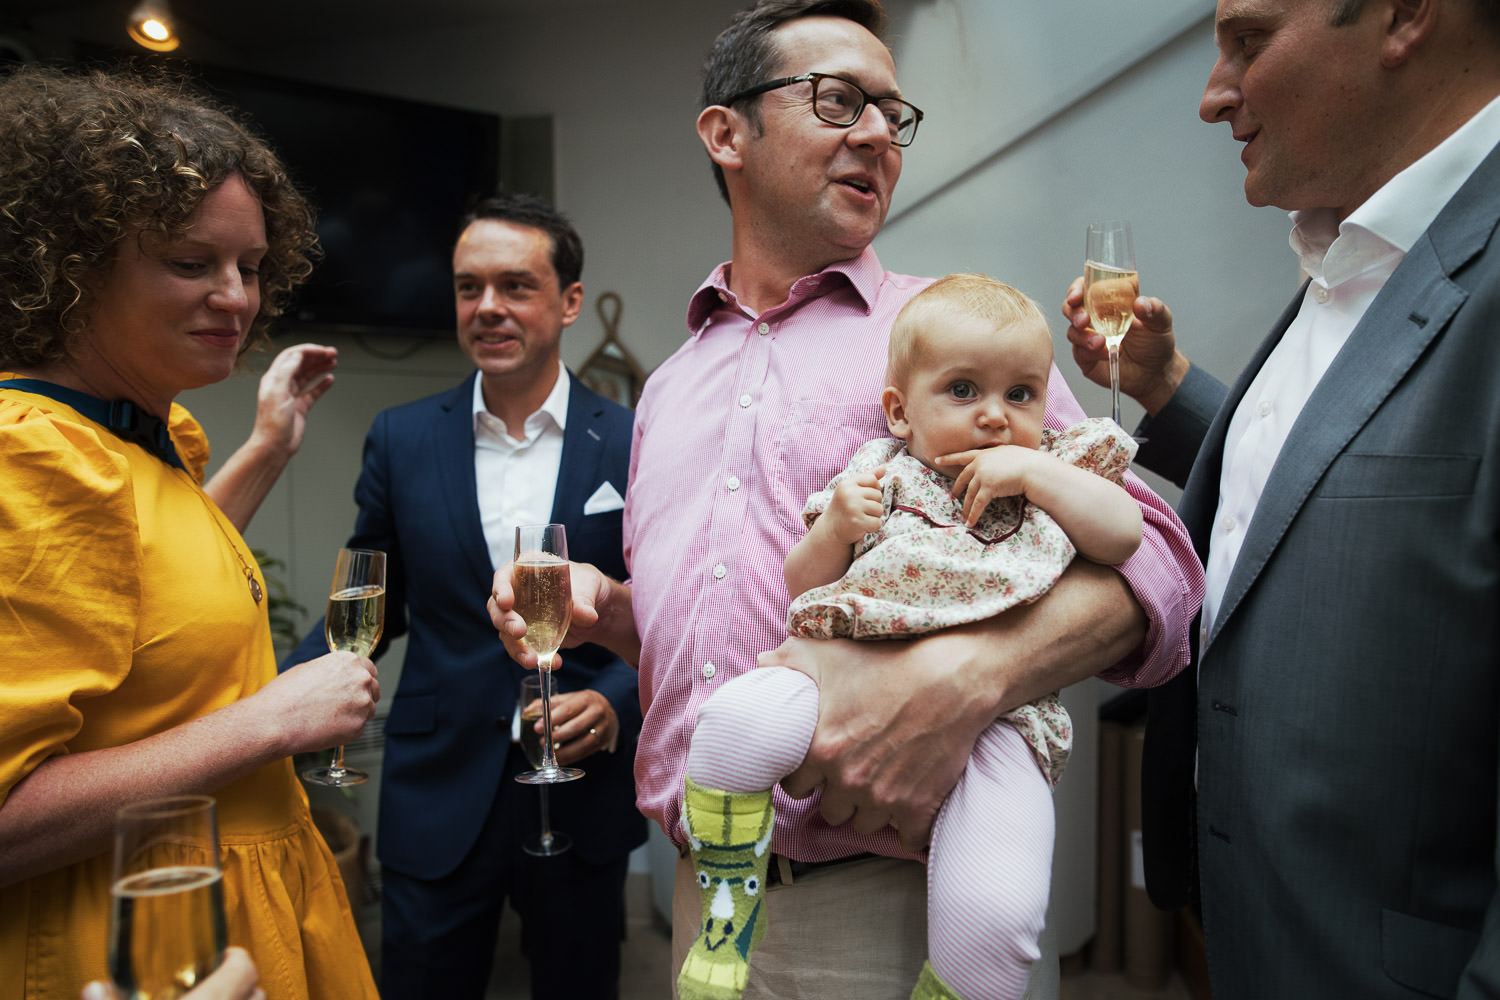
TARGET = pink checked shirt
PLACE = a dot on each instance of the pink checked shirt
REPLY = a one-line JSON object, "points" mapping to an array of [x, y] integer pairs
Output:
{"points": [[733, 433]]}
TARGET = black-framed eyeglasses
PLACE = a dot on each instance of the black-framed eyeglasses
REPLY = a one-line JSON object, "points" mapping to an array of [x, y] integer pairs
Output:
{"points": [[840, 102]]}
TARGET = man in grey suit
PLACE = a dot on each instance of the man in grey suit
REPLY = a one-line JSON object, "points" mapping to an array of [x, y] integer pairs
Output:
{"points": [[1340, 725]]}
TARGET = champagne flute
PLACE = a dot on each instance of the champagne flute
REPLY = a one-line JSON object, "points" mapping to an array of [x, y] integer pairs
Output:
{"points": [[355, 619], [1110, 286], [544, 598], [166, 929], [549, 841]]}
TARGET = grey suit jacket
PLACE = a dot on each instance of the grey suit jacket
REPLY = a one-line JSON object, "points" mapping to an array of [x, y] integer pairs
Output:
{"points": [[1345, 709]]}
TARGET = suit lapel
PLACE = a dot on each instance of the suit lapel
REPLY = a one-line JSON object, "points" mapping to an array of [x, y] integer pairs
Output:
{"points": [[1408, 315], [458, 490], [582, 447]]}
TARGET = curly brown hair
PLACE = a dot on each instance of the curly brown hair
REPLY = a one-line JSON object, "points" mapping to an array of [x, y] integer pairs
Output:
{"points": [[88, 159]]}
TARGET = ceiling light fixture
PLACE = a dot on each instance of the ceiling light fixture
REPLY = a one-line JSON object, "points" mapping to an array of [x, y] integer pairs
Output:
{"points": [[151, 26]]}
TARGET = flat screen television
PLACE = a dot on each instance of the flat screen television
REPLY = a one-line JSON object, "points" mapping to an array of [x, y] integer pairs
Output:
{"points": [[389, 178]]}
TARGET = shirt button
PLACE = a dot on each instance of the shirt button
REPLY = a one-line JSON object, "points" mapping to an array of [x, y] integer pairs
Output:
{"points": [[719, 571], [745, 400], [763, 329], [733, 482], [708, 671], [1228, 523], [1264, 408], [1321, 294]]}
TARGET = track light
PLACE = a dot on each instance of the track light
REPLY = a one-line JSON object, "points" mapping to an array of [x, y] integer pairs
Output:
{"points": [[151, 26]]}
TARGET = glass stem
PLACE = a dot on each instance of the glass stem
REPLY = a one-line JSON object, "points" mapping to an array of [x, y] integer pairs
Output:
{"points": [[544, 668], [336, 769], [546, 820], [1114, 381]]}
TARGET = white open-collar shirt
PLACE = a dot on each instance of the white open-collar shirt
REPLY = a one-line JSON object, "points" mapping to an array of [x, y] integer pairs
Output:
{"points": [[516, 479], [1348, 263]]}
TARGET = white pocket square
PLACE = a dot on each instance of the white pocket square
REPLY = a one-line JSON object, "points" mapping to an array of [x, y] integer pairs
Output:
{"points": [[605, 499]]}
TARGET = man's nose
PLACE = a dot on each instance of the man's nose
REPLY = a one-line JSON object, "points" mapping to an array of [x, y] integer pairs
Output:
{"points": [[1221, 95]]}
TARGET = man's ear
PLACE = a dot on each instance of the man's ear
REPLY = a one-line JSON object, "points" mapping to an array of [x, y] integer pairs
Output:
{"points": [[722, 131], [1408, 24], [572, 302], [894, 405]]}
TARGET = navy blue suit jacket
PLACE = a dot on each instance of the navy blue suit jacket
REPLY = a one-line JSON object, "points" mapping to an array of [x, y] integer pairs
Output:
{"points": [[447, 737]]}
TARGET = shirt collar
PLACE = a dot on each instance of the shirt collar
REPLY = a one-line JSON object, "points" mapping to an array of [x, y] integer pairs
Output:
{"points": [[554, 407], [1406, 205], [863, 274]]}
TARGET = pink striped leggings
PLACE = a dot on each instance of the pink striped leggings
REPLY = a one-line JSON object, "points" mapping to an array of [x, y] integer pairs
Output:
{"points": [[989, 868]]}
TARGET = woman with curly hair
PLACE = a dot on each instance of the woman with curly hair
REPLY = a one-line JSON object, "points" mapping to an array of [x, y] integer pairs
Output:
{"points": [[147, 240]]}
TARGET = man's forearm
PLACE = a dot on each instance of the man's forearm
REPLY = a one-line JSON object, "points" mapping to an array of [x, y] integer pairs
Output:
{"points": [[1086, 623]]}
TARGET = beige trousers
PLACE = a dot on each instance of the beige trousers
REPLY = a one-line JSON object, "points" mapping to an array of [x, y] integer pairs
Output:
{"points": [[856, 931]]}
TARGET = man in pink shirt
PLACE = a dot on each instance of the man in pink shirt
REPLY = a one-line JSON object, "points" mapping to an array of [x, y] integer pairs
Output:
{"points": [[776, 386]]}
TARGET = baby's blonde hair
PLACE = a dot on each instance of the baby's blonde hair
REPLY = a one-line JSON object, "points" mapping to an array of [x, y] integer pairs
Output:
{"points": [[976, 295]]}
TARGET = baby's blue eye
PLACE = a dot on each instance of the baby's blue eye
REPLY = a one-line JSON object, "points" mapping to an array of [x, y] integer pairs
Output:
{"points": [[962, 390]]}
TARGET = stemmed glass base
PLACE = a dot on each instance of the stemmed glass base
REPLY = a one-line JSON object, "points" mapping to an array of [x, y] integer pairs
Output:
{"points": [[548, 846], [549, 775], [337, 777]]}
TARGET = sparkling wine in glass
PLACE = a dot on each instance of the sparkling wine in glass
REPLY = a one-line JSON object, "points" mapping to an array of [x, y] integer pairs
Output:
{"points": [[1110, 286], [544, 599], [548, 841], [166, 928], [355, 619]]}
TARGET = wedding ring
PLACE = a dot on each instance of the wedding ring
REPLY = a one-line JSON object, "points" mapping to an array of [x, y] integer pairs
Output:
{"points": [[594, 732]]}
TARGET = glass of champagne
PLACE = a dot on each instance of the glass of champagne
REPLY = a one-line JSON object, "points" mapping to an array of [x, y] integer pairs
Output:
{"points": [[355, 619], [1110, 286], [548, 841], [166, 927], [544, 598]]}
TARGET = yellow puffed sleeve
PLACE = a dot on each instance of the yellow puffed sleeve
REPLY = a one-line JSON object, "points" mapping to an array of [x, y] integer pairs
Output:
{"points": [[69, 580], [189, 440]]}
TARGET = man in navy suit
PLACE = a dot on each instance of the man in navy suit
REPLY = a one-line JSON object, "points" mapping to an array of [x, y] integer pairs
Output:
{"points": [[1340, 726], [445, 481]]}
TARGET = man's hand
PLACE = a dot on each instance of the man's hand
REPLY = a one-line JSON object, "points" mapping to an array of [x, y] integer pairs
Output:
{"points": [[896, 724], [602, 614], [583, 723], [1151, 368]]}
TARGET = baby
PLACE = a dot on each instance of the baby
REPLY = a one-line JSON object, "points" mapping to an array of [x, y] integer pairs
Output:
{"points": [[972, 507]]}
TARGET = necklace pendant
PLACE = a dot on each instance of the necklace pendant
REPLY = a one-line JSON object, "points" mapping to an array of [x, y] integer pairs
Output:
{"points": [[255, 590]]}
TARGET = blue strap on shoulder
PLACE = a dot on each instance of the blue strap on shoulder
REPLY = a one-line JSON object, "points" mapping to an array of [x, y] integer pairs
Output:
{"points": [[123, 419]]}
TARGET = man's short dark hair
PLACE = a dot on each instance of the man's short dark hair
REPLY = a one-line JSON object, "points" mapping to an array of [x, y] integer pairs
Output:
{"points": [[745, 53], [1345, 12], [537, 213]]}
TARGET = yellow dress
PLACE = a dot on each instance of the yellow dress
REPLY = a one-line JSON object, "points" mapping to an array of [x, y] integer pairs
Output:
{"points": [[125, 611]]}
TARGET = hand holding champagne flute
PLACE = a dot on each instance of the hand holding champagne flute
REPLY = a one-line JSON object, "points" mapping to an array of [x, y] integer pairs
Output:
{"points": [[544, 600], [355, 619], [1110, 286], [166, 929]]}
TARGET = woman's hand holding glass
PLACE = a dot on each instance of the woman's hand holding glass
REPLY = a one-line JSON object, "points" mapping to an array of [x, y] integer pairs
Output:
{"points": [[319, 704]]}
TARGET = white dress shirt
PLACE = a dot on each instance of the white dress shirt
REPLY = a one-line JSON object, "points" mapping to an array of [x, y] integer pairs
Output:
{"points": [[1348, 264], [516, 479]]}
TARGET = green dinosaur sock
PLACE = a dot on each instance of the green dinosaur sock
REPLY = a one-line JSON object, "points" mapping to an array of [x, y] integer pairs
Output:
{"points": [[730, 836], [930, 987]]}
